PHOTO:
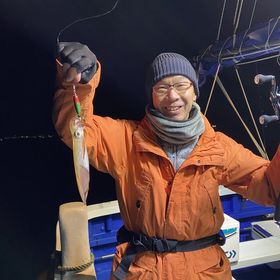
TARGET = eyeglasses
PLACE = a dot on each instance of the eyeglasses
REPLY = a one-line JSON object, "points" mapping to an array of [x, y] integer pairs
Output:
{"points": [[180, 88]]}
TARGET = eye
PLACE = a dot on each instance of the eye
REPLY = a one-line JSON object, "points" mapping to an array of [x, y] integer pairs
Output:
{"points": [[162, 88], [78, 133], [181, 87]]}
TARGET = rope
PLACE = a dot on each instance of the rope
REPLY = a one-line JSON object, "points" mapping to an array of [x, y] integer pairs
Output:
{"points": [[211, 92], [249, 108], [76, 268], [264, 155]]}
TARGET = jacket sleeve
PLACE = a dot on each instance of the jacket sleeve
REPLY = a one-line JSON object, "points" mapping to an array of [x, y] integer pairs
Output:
{"points": [[107, 140], [273, 173], [250, 175]]}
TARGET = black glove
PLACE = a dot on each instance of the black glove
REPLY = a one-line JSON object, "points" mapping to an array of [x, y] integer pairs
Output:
{"points": [[78, 56]]}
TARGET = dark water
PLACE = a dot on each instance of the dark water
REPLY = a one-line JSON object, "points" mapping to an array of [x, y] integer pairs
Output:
{"points": [[37, 176]]}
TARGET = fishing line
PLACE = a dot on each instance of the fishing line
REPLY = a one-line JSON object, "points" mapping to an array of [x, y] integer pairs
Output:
{"points": [[44, 137], [85, 19], [26, 137]]}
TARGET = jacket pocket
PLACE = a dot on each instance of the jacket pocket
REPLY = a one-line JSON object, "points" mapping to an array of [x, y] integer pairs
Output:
{"points": [[142, 201], [215, 207], [213, 262]]}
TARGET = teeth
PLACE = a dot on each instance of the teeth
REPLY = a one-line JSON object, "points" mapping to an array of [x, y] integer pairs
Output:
{"points": [[173, 108]]}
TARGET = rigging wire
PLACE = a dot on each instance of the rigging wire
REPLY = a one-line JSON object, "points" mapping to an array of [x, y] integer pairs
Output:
{"points": [[259, 59], [259, 51], [261, 151], [235, 13], [212, 89], [249, 108], [278, 59], [247, 30], [237, 55], [221, 20], [222, 48], [270, 32], [253, 13], [236, 24]]}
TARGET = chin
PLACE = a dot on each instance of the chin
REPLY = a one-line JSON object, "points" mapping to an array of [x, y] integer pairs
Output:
{"points": [[177, 118]]}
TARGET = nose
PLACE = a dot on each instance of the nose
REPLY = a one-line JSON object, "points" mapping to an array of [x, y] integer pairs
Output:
{"points": [[172, 94]]}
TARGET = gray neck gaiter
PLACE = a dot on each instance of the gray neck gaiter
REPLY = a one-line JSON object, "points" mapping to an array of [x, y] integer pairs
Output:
{"points": [[177, 132]]}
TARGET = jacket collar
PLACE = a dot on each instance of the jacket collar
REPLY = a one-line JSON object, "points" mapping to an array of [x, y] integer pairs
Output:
{"points": [[208, 150], [145, 140]]}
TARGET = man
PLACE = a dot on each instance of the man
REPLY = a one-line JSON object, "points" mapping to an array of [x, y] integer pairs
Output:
{"points": [[167, 169]]}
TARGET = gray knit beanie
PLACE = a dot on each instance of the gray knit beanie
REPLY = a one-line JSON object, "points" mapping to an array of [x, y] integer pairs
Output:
{"points": [[169, 64]]}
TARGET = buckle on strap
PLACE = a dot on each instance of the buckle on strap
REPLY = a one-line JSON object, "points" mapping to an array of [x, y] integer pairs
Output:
{"points": [[140, 242], [153, 244], [157, 245], [221, 239], [164, 245]]}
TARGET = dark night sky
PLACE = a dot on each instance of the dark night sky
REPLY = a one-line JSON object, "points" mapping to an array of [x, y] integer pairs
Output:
{"points": [[37, 173]]}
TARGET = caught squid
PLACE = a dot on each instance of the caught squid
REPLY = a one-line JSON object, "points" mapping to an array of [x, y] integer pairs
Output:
{"points": [[80, 155]]}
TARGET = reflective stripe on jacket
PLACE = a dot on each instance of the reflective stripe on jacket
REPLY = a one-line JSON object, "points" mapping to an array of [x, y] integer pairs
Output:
{"points": [[129, 152]]}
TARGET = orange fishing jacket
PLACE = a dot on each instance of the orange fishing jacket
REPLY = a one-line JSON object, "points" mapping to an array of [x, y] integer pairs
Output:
{"points": [[159, 201]]}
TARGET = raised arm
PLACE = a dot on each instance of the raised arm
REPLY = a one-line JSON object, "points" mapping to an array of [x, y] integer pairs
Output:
{"points": [[77, 65], [108, 140]]}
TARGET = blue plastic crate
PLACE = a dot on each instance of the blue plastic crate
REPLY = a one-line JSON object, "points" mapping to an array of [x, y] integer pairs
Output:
{"points": [[238, 208], [245, 211], [102, 239]]}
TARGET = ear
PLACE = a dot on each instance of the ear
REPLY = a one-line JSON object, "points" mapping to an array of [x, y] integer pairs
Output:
{"points": [[194, 96]]}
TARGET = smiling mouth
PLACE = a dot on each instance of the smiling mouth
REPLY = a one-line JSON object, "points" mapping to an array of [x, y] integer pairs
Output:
{"points": [[173, 108]]}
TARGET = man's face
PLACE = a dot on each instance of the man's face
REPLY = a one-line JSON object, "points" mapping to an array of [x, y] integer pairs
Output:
{"points": [[173, 97]]}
